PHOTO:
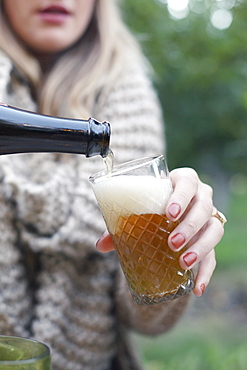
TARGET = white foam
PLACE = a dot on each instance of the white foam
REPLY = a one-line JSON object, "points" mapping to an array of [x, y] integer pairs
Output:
{"points": [[128, 195]]}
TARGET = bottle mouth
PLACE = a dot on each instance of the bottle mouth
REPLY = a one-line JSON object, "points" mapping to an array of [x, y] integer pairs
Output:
{"points": [[105, 139], [99, 138]]}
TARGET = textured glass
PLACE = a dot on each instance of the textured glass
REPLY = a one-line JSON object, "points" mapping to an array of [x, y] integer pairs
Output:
{"points": [[133, 199], [23, 354], [151, 268]]}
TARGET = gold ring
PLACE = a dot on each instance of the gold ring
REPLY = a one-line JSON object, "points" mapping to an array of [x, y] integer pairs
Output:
{"points": [[220, 217]]}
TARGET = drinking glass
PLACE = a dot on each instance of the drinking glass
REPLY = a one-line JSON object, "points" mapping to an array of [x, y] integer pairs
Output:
{"points": [[23, 354], [133, 198]]}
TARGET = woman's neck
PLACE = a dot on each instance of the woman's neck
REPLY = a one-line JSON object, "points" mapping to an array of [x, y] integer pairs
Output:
{"points": [[46, 60]]}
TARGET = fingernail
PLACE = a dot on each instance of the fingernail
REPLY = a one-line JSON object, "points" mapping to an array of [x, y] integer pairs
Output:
{"points": [[98, 241], [178, 240], [174, 210], [190, 258], [202, 287]]}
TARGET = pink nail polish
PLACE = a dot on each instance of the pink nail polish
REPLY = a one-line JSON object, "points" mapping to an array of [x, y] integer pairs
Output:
{"points": [[190, 258], [174, 210], [99, 240], [202, 287], [178, 240]]}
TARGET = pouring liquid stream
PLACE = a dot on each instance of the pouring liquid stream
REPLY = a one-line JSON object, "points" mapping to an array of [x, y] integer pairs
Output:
{"points": [[109, 161]]}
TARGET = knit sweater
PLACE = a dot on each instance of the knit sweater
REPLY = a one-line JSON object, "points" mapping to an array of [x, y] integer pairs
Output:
{"points": [[55, 286]]}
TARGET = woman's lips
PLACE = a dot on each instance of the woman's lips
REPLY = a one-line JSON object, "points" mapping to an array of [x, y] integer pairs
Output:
{"points": [[54, 14]]}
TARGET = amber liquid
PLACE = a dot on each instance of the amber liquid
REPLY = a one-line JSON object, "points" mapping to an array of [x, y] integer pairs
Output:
{"points": [[151, 268]]}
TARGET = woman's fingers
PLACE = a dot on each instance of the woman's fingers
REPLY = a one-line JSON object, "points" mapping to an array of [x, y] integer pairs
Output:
{"points": [[191, 203], [185, 185], [105, 244], [200, 249], [204, 274], [193, 219], [202, 244]]}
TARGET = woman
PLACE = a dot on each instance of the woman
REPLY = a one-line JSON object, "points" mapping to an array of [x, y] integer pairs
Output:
{"points": [[75, 58]]}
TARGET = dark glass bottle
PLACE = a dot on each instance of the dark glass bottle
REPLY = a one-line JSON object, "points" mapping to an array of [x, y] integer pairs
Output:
{"points": [[27, 132]]}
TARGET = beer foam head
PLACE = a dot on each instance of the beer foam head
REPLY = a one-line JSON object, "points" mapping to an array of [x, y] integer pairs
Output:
{"points": [[126, 195]]}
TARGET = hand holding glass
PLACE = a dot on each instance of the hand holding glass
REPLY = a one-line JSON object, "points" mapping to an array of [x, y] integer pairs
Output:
{"points": [[133, 199]]}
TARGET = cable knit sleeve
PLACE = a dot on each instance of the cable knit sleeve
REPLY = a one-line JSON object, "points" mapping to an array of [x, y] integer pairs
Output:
{"points": [[5, 69], [15, 301], [14, 298], [135, 115]]}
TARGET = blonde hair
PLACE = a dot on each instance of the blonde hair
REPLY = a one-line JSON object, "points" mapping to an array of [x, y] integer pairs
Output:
{"points": [[83, 75]]}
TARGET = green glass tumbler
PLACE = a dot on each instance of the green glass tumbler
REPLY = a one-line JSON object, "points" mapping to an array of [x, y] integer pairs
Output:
{"points": [[18, 353]]}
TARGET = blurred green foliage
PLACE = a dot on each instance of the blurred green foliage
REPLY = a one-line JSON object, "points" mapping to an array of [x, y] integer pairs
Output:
{"points": [[201, 79]]}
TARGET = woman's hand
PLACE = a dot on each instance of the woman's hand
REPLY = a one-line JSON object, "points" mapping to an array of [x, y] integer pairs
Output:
{"points": [[191, 203]]}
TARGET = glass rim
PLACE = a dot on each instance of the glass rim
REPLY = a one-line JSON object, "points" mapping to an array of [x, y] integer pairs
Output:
{"points": [[121, 168], [27, 361]]}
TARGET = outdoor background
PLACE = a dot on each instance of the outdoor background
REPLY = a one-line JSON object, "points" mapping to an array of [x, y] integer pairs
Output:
{"points": [[198, 51]]}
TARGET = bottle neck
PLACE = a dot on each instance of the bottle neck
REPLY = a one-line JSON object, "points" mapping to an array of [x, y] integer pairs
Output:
{"points": [[25, 132]]}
